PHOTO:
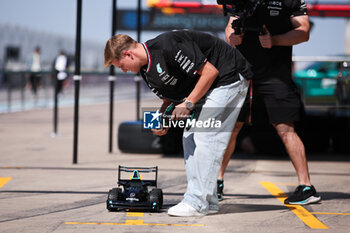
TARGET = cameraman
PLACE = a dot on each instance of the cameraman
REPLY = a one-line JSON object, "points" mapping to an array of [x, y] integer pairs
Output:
{"points": [[272, 29]]}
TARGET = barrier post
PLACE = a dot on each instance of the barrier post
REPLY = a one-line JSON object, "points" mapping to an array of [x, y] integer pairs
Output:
{"points": [[138, 75], [77, 78], [112, 79], [55, 107]]}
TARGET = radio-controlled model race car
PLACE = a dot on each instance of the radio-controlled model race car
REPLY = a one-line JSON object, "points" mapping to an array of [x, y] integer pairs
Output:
{"points": [[135, 194]]}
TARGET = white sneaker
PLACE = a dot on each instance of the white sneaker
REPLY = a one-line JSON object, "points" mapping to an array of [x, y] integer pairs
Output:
{"points": [[183, 210], [213, 210]]}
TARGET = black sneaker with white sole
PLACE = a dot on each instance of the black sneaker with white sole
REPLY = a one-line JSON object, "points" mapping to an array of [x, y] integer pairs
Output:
{"points": [[303, 195]]}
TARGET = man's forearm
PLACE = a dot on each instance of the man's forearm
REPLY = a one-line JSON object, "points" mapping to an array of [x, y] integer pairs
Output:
{"points": [[290, 38], [208, 75], [299, 34]]}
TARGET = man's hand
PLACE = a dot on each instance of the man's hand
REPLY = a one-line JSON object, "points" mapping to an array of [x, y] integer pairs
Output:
{"points": [[235, 40], [160, 132], [232, 38], [180, 112], [266, 39]]}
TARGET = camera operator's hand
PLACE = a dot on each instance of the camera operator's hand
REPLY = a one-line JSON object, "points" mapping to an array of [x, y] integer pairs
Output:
{"points": [[235, 40], [266, 39], [232, 38]]}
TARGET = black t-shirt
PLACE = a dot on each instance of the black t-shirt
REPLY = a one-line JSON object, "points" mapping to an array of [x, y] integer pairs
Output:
{"points": [[276, 62], [174, 59]]}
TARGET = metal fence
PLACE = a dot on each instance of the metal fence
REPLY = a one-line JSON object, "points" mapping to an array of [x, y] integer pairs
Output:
{"points": [[325, 81], [16, 92]]}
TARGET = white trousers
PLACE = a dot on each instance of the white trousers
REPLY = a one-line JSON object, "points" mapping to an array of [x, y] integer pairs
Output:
{"points": [[204, 149]]}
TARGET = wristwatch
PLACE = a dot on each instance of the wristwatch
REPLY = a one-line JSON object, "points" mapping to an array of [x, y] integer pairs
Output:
{"points": [[189, 105]]}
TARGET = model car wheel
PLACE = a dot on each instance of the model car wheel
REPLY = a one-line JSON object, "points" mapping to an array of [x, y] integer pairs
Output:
{"points": [[156, 198], [113, 195]]}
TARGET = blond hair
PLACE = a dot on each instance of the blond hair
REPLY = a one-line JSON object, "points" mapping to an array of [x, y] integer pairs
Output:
{"points": [[116, 46]]}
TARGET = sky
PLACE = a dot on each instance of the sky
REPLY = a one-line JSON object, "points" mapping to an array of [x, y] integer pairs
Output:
{"points": [[59, 17]]}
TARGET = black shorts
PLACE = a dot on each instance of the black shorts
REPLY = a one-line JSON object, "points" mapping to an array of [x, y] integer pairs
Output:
{"points": [[278, 99]]}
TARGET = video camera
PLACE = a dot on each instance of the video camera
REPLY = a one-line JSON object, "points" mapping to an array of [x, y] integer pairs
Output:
{"points": [[242, 9]]}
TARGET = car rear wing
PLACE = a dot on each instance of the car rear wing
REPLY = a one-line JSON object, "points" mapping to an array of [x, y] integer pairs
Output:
{"points": [[136, 171]]}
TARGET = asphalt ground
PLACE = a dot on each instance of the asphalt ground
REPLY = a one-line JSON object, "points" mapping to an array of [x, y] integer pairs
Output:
{"points": [[41, 190]]}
